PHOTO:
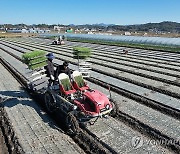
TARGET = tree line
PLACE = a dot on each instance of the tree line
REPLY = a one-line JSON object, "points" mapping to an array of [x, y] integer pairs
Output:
{"points": [[165, 26]]}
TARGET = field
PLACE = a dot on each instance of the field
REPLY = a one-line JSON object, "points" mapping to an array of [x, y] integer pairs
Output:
{"points": [[144, 83], [6, 35]]}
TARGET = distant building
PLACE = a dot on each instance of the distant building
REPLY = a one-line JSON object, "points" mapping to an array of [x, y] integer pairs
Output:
{"points": [[24, 31], [40, 31], [32, 31], [14, 31], [69, 30], [58, 28], [90, 32], [145, 34], [47, 31], [127, 33]]}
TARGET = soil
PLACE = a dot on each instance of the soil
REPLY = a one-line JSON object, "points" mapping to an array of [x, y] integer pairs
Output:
{"points": [[3, 147], [5, 35]]}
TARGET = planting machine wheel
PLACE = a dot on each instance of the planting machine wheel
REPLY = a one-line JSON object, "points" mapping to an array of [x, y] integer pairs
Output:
{"points": [[49, 102], [72, 124], [114, 110]]}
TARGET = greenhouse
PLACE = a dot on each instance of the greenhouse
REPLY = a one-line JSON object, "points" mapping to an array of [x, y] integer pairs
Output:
{"points": [[131, 39]]}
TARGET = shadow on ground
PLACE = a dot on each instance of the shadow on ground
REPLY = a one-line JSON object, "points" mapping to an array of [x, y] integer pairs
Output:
{"points": [[12, 98]]}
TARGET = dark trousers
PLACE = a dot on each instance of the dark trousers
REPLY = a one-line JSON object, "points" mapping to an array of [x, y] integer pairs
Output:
{"points": [[50, 82]]}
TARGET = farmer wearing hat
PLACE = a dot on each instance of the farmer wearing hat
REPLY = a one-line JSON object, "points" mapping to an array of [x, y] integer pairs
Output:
{"points": [[50, 68]]}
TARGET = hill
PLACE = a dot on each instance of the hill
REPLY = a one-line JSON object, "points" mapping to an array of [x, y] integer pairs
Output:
{"points": [[165, 26]]}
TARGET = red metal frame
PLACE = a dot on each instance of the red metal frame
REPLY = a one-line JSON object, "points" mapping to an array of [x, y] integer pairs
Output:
{"points": [[92, 102]]}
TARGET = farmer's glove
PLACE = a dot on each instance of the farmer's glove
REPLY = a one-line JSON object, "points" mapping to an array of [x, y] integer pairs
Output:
{"points": [[52, 77]]}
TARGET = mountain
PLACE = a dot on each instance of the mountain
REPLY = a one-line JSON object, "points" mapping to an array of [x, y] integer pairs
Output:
{"points": [[103, 25], [165, 26]]}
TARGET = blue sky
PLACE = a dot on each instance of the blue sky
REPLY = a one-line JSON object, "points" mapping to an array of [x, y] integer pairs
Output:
{"points": [[120, 12]]}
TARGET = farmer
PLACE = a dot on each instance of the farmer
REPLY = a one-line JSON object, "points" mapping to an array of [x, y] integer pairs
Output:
{"points": [[60, 38], [50, 68], [63, 37], [63, 69], [125, 51]]}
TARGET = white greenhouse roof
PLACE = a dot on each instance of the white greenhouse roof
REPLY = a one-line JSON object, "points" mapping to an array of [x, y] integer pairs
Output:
{"points": [[132, 39]]}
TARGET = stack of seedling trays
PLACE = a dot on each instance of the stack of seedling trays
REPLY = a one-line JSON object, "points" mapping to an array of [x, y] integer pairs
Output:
{"points": [[36, 60], [82, 54]]}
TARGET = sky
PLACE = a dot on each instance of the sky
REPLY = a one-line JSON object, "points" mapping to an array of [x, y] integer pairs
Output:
{"points": [[119, 12]]}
